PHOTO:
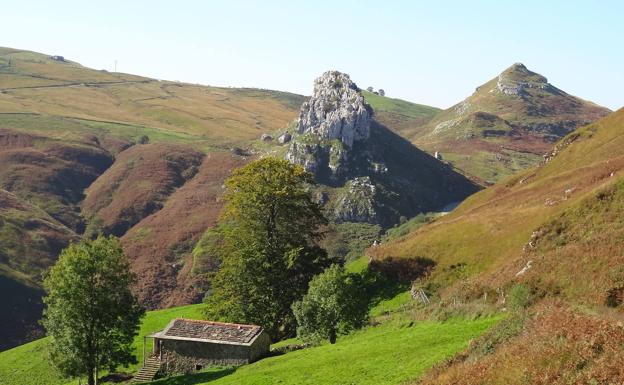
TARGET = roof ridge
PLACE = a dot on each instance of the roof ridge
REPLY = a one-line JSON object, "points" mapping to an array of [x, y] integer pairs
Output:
{"points": [[217, 322]]}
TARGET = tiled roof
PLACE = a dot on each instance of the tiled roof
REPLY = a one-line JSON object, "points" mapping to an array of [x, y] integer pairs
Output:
{"points": [[210, 331]]}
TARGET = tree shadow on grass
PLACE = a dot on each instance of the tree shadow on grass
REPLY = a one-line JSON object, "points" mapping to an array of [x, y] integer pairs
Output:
{"points": [[195, 378], [386, 278]]}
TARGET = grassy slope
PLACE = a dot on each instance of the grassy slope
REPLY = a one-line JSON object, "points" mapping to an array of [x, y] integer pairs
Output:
{"points": [[34, 83], [388, 354], [511, 210], [396, 349], [403, 117], [28, 364], [571, 210]]}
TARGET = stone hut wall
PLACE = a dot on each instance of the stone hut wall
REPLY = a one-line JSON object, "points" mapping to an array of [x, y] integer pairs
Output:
{"points": [[260, 347], [187, 356]]}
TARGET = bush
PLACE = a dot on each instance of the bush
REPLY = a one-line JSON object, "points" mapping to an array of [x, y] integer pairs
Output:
{"points": [[335, 303], [519, 297]]}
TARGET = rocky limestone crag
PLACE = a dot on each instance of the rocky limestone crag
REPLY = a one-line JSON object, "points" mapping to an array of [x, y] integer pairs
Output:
{"points": [[329, 124], [357, 202], [517, 79], [370, 173], [336, 110]]}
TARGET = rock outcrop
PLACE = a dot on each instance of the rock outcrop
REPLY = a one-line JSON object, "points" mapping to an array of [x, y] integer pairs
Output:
{"points": [[336, 110], [357, 201], [330, 123], [370, 174], [517, 79]]}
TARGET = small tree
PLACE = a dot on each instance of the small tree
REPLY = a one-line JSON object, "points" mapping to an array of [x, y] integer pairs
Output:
{"points": [[335, 303], [370, 89], [382, 92], [91, 315]]}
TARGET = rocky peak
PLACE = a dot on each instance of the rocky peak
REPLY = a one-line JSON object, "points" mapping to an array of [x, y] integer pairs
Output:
{"points": [[336, 110], [516, 79]]}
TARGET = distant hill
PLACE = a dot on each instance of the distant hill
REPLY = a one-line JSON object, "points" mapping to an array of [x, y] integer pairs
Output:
{"points": [[506, 125], [144, 159], [402, 117], [556, 229], [36, 83]]}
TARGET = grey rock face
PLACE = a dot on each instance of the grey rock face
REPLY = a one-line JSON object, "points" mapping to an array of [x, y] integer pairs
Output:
{"points": [[357, 202], [329, 123], [336, 110], [316, 156], [266, 138], [509, 85]]}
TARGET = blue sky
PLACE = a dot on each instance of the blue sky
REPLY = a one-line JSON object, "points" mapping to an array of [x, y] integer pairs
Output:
{"points": [[434, 52]]}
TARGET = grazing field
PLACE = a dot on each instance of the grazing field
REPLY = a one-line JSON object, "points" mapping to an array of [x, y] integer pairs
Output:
{"points": [[391, 353], [28, 364]]}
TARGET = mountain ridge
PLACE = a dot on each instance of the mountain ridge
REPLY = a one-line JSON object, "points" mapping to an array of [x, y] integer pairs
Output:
{"points": [[506, 125]]}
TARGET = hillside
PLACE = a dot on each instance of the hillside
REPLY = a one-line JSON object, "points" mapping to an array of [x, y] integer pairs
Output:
{"points": [[506, 125], [36, 83], [402, 117], [28, 364], [543, 228], [391, 350], [88, 150], [97, 151]]}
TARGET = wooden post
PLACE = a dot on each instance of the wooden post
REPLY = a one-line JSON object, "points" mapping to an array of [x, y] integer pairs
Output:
{"points": [[144, 339]]}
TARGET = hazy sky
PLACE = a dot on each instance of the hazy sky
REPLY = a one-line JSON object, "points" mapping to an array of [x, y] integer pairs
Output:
{"points": [[432, 52]]}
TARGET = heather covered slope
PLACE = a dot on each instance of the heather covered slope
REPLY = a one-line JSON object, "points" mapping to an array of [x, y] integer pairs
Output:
{"points": [[30, 240], [506, 125], [543, 228], [137, 184]]}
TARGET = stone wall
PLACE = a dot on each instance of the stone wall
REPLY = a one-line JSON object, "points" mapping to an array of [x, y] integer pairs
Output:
{"points": [[188, 356]]}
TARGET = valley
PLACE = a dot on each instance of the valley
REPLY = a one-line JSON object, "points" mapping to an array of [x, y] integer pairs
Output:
{"points": [[507, 205]]}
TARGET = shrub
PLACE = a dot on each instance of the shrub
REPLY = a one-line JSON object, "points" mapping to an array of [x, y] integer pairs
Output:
{"points": [[519, 297]]}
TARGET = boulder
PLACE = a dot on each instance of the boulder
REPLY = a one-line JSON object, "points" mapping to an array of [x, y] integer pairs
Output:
{"points": [[284, 138]]}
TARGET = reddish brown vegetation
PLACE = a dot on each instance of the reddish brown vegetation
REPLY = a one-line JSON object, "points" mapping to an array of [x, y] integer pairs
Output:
{"points": [[138, 183], [50, 174], [30, 241], [160, 244], [559, 345]]}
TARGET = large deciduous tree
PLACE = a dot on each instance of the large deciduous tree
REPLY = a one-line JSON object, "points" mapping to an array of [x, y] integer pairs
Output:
{"points": [[91, 315], [266, 243]]}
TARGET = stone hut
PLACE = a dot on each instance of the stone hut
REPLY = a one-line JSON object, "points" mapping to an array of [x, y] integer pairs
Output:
{"points": [[187, 345]]}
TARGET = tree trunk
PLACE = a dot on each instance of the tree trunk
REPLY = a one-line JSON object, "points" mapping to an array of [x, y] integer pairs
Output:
{"points": [[332, 336], [90, 377]]}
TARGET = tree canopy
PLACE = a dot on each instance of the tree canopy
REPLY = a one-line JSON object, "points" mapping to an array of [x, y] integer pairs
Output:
{"points": [[336, 302], [266, 244], [91, 314]]}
